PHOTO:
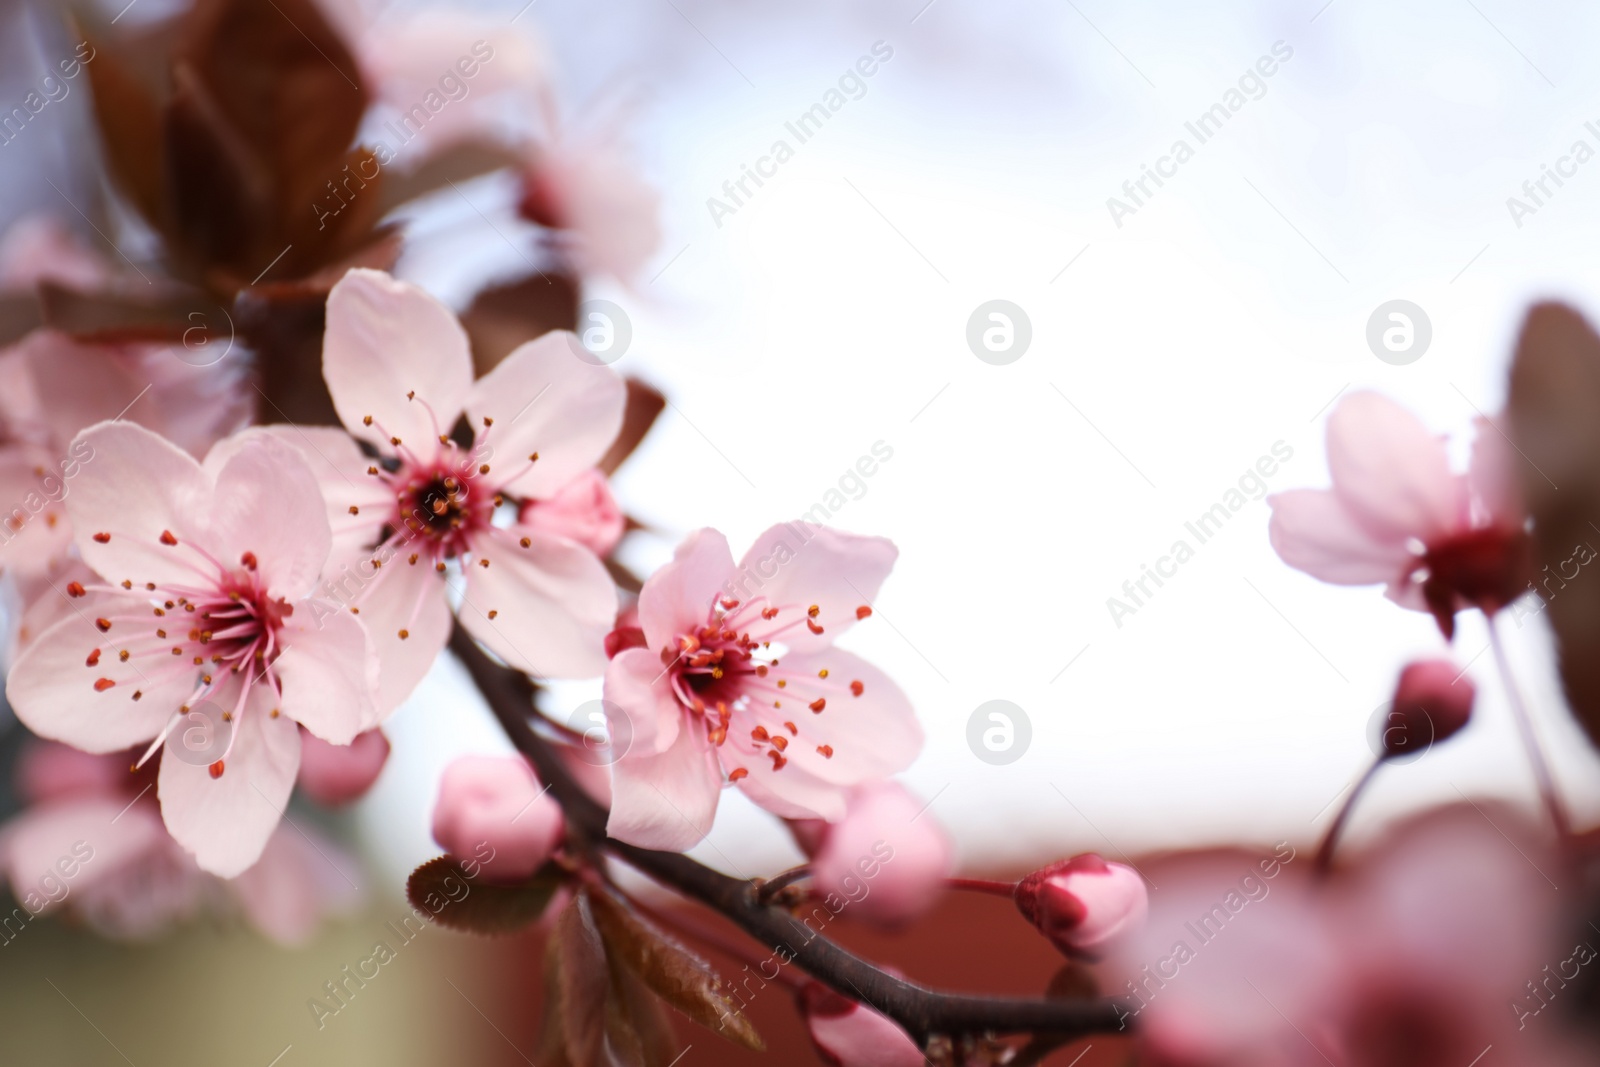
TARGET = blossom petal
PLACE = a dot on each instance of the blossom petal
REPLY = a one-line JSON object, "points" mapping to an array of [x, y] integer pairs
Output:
{"points": [[553, 603], [34, 531], [226, 821], [58, 695], [267, 504], [667, 800], [341, 471], [1390, 470], [296, 882], [1312, 531], [386, 339], [795, 566], [94, 837], [411, 597], [545, 400], [677, 598], [328, 671], [851, 740], [639, 688], [132, 487]]}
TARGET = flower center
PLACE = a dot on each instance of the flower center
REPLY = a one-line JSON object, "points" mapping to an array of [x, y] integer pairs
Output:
{"points": [[443, 503]]}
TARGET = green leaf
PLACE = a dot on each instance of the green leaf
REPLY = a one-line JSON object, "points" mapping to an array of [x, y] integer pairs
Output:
{"points": [[453, 899], [1554, 415], [671, 971]]}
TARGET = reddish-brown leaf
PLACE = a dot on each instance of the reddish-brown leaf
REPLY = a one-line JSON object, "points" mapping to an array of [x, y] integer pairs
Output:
{"points": [[1554, 421], [442, 888], [585, 982], [672, 972]]}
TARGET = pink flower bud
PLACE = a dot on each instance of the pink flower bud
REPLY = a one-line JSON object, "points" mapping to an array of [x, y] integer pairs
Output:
{"points": [[1084, 905], [1431, 702], [583, 510], [497, 800], [848, 1034], [887, 858], [338, 774]]}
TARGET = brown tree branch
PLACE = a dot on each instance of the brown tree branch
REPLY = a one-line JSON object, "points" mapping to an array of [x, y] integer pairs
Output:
{"points": [[923, 1012]]}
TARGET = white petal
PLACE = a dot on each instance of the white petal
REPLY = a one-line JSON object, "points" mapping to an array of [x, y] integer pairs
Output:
{"points": [[667, 800], [1390, 471], [544, 399], [52, 687], [553, 604], [1313, 532], [225, 821], [267, 503], [386, 339], [639, 690], [677, 599], [795, 566], [329, 672], [134, 486]]}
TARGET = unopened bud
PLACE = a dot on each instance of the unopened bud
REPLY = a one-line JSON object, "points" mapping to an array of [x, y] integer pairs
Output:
{"points": [[1084, 904], [1431, 702]]}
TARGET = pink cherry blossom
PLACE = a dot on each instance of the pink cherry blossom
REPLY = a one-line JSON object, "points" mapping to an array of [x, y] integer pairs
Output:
{"points": [[397, 365], [404, 56], [497, 801], [850, 1034], [92, 842], [583, 511], [738, 679], [1396, 514], [588, 188], [1084, 905], [338, 774], [1418, 953], [887, 857], [204, 606]]}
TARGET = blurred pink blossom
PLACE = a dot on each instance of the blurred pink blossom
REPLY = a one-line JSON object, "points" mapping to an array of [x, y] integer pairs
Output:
{"points": [[497, 800]]}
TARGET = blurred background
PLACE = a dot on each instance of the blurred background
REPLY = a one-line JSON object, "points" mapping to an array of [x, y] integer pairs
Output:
{"points": [[1176, 332]]}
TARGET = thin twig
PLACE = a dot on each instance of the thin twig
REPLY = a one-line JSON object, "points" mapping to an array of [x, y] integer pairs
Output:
{"points": [[921, 1011]]}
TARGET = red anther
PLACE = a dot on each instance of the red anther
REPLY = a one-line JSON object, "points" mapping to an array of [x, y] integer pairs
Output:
{"points": [[94, 658], [863, 611], [102, 538], [813, 627], [75, 589], [818, 704], [248, 561], [728, 603], [167, 538], [103, 624], [825, 751], [103, 684], [759, 734], [737, 773], [780, 742], [216, 769], [769, 613], [813, 610], [856, 689]]}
